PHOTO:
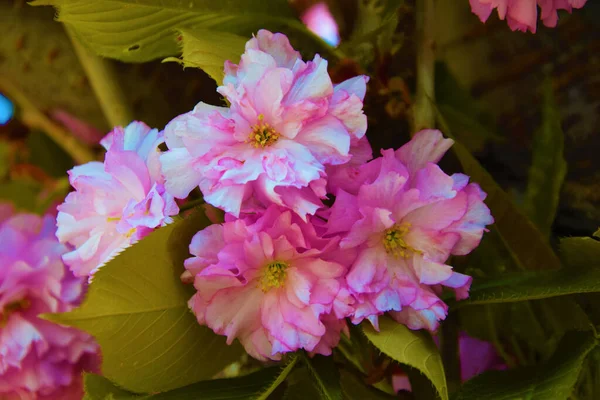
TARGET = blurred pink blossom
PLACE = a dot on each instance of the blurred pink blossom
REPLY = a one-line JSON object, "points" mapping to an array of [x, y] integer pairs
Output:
{"points": [[319, 20]]}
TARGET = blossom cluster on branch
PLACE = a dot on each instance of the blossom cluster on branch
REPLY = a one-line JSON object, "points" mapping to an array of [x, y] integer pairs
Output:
{"points": [[521, 15], [285, 271]]}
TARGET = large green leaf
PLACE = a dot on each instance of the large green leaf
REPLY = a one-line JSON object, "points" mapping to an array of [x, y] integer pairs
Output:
{"points": [[551, 380], [353, 388], [580, 252], [526, 243], [281, 377], [142, 30], [204, 50], [548, 167], [326, 376], [241, 388], [534, 285], [137, 309], [413, 348]]}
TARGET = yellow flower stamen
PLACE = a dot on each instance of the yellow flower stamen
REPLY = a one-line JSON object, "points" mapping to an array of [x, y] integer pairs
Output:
{"points": [[274, 275], [12, 307], [262, 134], [394, 243]]}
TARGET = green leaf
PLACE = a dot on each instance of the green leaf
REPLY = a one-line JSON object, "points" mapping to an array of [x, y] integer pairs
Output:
{"points": [[413, 348], [240, 388], [325, 375], [534, 285], [466, 117], [99, 388], [548, 167], [552, 380], [143, 30], [528, 246], [204, 50], [301, 386], [353, 388], [281, 377], [137, 309], [580, 252]]}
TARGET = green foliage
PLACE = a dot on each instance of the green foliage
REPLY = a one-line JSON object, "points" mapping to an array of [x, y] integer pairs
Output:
{"points": [[137, 310], [580, 252], [553, 379], [465, 116], [326, 376], [413, 348], [241, 388], [528, 246], [534, 285], [373, 31], [202, 49], [281, 377], [354, 389], [548, 167], [138, 31]]}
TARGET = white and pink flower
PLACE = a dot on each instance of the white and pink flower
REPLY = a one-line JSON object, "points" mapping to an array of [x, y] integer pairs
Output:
{"points": [[405, 219], [287, 122], [271, 283], [117, 202]]}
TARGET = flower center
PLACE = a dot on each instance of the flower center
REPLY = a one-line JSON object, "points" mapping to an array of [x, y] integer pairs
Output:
{"points": [[394, 243], [12, 307], [274, 275], [262, 134]]}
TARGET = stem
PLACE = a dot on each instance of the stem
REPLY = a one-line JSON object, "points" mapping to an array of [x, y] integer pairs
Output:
{"points": [[33, 118], [424, 116], [102, 77]]}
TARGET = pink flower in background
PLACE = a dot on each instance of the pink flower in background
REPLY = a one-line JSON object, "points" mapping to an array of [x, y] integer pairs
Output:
{"points": [[522, 14], [405, 220], [117, 202], [286, 123], [476, 357], [271, 283], [318, 19], [38, 359], [80, 129]]}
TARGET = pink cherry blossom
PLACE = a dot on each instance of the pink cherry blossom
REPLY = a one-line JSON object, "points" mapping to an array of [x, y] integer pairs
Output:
{"points": [[38, 359], [271, 283], [287, 122], [405, 220], [117, 202], [522, 14]]}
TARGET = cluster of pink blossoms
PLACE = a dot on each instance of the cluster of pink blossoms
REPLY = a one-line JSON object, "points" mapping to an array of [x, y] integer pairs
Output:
{"points": [[38, 359], [522, 14], [284, 271]]}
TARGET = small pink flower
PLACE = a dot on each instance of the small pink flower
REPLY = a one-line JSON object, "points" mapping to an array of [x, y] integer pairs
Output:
{"points": [[117, 202], [286, 123], [522, 14], [319, 20], [38, 359], [271, 283], [405, 218]]}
